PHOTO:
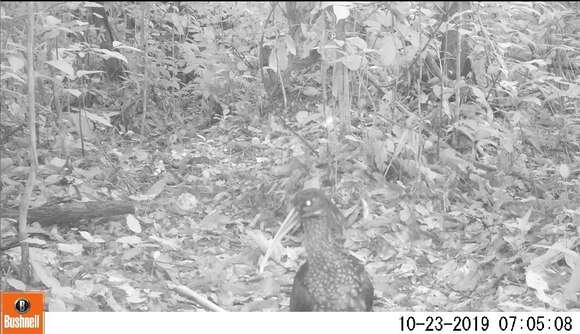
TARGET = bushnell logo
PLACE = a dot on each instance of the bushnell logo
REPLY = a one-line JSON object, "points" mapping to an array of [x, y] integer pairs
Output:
{"points": [[22, 312], [22, 305]]}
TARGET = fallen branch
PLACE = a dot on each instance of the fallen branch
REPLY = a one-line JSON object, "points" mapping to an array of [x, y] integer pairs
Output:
{"points": [[72, 212], [186, 292]]}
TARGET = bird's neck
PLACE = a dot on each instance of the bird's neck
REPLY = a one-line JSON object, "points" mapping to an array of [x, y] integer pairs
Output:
{"points": [[323, 242]]}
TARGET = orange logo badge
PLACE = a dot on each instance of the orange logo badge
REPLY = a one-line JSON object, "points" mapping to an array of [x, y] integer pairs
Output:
{"points": [[22, 312]]}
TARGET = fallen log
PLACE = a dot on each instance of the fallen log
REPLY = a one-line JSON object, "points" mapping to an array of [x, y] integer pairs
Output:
{"points": [[73, 212]]}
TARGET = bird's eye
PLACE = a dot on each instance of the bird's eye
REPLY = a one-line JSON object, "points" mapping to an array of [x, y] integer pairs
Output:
{"points": [[308, 203]]}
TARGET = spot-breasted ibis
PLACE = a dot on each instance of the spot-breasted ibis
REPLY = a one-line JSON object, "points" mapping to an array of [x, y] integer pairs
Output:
{"points": [[331, 279]]}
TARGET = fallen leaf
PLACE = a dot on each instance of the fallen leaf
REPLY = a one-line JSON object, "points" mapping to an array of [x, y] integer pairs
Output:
{"points": [[75, 249], [133, 223], [130, 240], [16, 284]]}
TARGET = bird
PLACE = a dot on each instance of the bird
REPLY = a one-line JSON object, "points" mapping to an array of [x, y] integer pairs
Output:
{"points": [[331, 279]]}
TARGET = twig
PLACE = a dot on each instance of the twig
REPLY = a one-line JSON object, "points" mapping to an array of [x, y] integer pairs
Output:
{"points": [[186, 292], [418, 55], [27, 193], [260, 47], [304, 141]]}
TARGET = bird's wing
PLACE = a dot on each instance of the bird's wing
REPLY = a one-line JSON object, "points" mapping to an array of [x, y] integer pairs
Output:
{"points": [[301, 300], [367, 289]]}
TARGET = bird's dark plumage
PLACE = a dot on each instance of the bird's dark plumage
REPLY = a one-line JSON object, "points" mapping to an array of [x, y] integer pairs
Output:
{"points": [[331, 279]]}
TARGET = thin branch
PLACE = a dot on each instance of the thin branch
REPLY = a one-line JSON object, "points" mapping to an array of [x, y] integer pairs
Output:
{"points": [[186, 292], [25, 200]]}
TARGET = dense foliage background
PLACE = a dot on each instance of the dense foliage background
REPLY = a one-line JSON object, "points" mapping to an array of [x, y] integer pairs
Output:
{"points": [[461, 192]]}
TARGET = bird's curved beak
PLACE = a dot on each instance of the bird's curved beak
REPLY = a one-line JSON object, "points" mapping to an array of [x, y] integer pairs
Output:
{"points": [[288, 224]]}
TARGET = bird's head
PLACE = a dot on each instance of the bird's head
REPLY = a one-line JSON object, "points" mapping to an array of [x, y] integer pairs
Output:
{"points": [[309, 206], [311, 202]]}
